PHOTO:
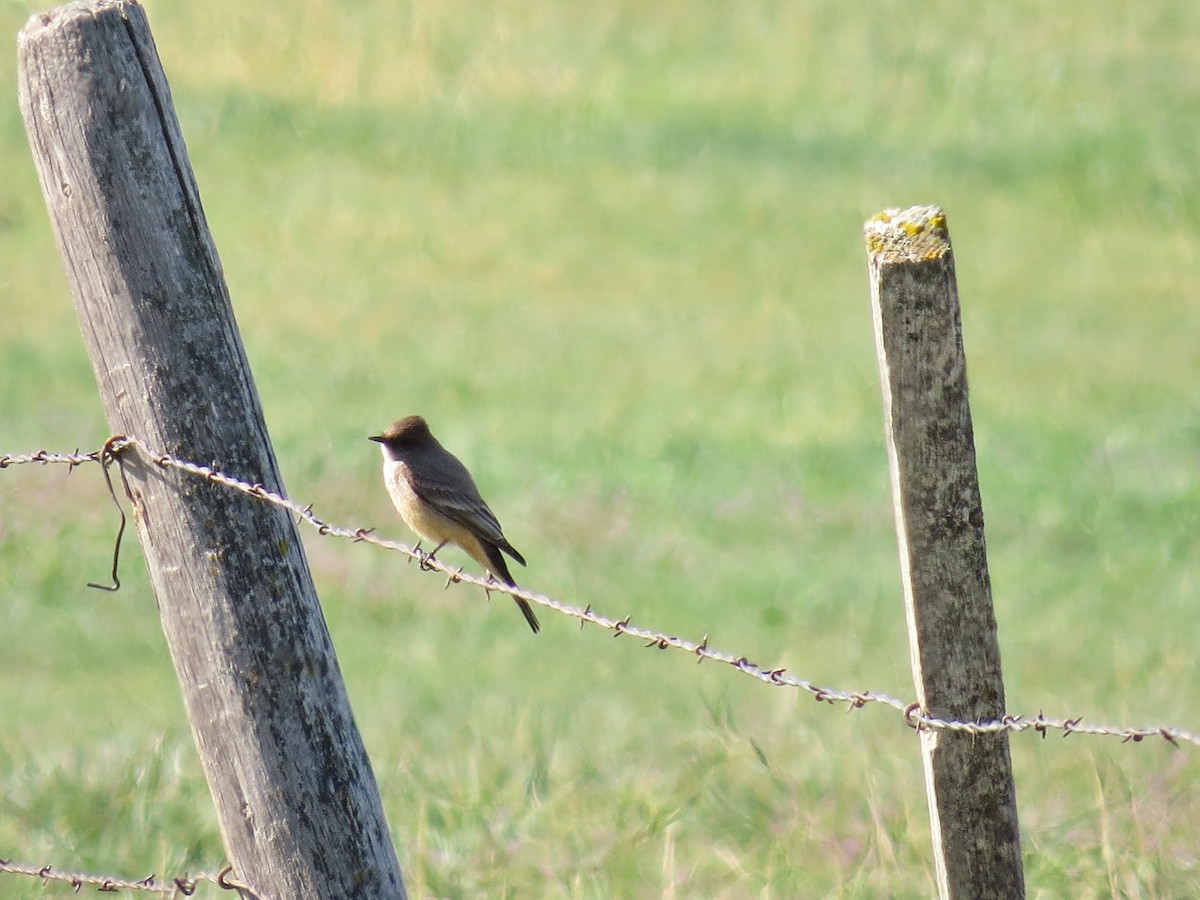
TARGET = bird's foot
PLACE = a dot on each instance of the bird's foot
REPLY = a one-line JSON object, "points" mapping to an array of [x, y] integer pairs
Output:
{"points": [[427, 559]]}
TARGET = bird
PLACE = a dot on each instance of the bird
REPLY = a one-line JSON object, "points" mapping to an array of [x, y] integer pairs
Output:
{"points": [[437, 498]]}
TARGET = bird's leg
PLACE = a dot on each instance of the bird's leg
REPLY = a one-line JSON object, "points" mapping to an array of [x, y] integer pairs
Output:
{"points": [[430, 555]]}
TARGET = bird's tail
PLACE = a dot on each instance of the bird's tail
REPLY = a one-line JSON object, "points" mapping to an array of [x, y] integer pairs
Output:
{"points": [[527, 611], [500, 567]]}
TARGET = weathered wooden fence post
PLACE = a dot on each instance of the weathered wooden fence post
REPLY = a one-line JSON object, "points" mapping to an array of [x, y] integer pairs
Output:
{"points": [[296, 798], [943, 559]]}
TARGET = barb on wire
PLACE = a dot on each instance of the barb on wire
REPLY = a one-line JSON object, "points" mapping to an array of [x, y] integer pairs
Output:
{"points": [[912, 713], [184, 885]]}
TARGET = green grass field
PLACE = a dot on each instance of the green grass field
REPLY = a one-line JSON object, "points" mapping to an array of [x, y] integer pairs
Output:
{"points": [[613, 252]]}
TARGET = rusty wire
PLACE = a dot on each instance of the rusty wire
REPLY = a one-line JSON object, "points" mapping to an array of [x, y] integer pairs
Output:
{"points": [[183, 886], [912, 713]]}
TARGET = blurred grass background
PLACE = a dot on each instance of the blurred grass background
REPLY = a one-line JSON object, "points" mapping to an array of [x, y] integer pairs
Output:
{"points": [[614, 254]]}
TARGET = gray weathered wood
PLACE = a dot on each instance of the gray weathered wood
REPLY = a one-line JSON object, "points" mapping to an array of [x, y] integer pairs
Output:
{"points": [[296, 798], [943, 559]]}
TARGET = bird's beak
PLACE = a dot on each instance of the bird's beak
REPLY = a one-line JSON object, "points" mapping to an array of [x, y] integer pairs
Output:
{"points": [[378, 438]]}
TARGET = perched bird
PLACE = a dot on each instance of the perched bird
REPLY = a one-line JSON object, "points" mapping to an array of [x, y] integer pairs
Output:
{"points": [[437, 498]]}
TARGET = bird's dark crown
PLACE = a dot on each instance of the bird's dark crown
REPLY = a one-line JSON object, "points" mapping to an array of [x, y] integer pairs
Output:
{"points": [[403, 432]]}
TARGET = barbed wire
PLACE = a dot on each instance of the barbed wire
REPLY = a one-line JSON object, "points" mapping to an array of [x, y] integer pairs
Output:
{"points": [[183, 886], [912, 713]]}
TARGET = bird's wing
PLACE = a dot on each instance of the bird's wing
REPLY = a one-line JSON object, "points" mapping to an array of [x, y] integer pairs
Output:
{"points": [[460, 502]]}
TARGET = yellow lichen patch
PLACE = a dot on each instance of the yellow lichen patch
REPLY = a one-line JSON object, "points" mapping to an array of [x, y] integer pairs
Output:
{"points": [[908, 235], [875, 243]]}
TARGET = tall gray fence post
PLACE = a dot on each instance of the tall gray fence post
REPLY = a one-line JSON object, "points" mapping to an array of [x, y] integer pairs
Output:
{"points": [[297, 802], [943, 559]]}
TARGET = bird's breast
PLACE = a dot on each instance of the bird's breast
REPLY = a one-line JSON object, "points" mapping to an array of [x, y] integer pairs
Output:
{"points": [[418, 515]]}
